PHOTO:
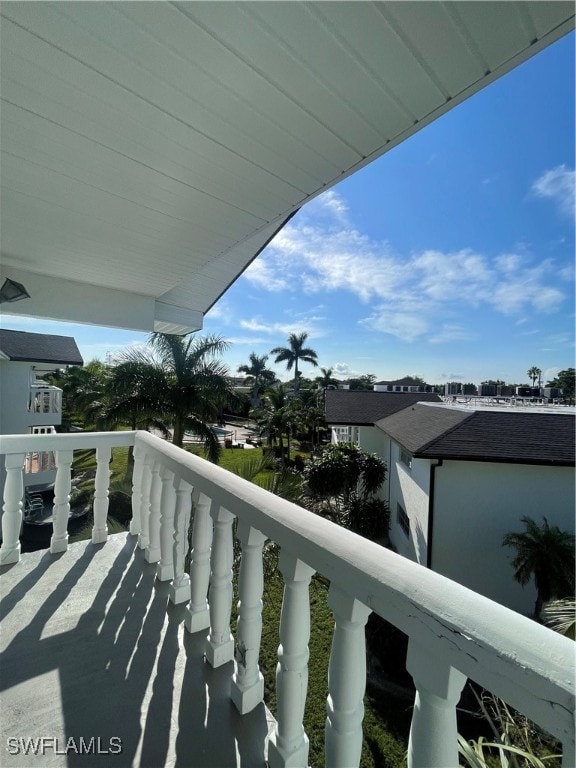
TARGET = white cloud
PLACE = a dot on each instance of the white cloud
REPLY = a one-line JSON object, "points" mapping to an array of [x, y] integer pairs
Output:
{"points": [[410, 296], [557, 184], [248, 340], [342, 369], [451, 332], [334, 204], [263, 274], [407, 326], [285, 329]]}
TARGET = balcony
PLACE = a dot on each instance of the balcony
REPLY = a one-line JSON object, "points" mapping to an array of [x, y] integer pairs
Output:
{"points": [[115, 639], [45, 400]]}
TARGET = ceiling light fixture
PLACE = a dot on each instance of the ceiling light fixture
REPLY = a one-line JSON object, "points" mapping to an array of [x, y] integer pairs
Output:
{"points": [[12, 291]]}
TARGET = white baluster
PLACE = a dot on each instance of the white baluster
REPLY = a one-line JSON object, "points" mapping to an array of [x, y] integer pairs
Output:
{"points": [[248, 682], [153, 549], [12, 508], [165, 569], [61, 510], [433, 739], [179, 591], [144, 535], [346, 680], [101, 483], [197, 616], [220, 643], [136, 522], [288, 745]]}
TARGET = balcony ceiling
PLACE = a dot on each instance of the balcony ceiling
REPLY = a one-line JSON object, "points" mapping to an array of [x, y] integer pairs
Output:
{"points": [[150, 150]]}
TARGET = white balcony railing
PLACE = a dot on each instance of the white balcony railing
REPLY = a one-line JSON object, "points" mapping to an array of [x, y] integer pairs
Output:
{"points": [[45, 399], [454, 633]]}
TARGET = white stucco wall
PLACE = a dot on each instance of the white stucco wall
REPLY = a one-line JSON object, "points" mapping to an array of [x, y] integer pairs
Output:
{"points": [[372, 440], [409, 487], [476, 503], [15, 378]]}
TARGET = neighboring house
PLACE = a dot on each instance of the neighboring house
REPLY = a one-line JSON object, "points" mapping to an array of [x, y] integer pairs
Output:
{"points": [[352, 414], [401, 385], [459, 479], [29, 405]]}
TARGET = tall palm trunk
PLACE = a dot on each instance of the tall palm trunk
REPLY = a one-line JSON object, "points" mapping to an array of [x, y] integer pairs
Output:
{"points": [[178, 436]]}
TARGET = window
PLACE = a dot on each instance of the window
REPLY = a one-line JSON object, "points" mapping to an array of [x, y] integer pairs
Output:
{"points": [[406, 458], [402, 519]]}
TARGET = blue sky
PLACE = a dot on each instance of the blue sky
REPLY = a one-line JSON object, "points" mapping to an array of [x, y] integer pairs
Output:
{"points": [[451, 257]]}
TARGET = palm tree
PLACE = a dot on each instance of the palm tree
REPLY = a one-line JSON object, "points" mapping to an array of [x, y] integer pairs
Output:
{"points": [[294, 353], [178, 381], [546, 553], [279, 417], [258, 374], [311, 405], [326, 381], [84, 390], [534, 373]]}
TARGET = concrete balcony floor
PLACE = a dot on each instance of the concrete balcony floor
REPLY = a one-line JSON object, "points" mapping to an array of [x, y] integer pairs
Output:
{"points": [[91, 647]]}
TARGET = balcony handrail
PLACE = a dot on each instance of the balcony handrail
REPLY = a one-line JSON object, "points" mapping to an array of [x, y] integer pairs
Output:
{"points": [[75, 441], [527, 665], [488, 642]]}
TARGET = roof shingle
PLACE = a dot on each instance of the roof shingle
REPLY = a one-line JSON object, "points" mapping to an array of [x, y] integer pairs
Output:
{"points": [[366, 407], [519, 438], [39, 348]]}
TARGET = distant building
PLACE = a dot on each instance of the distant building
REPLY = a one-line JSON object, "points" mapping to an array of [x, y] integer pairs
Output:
{"points": [[487, 390], [29, 405], [452, 388], [401, 385]]}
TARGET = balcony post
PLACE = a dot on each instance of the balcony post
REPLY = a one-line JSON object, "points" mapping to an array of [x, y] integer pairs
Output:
{"points": [[248, 682], [152, 554], [144, 535], [346, 680], [12, 509], [288, 745], [101, 484], [433, 739], [220, 643], [61, 511], [179, 591], [165, 569], [136, 522], [198, 614]]}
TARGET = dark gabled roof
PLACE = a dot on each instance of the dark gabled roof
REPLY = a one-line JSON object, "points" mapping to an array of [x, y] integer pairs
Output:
{"points": [[418, 425], [39, 348], [365, 408], [511, 437]]}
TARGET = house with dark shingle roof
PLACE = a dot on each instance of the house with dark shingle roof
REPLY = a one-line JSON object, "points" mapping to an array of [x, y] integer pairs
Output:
{"points": [[459, 479], [28, 404]]}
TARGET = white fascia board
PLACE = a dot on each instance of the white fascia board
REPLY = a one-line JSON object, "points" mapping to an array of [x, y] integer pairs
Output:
{"points": [[169, 318], [69, 301]]}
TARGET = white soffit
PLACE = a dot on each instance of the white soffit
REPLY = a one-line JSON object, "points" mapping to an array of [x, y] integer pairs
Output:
{"points": [[150, 150]]}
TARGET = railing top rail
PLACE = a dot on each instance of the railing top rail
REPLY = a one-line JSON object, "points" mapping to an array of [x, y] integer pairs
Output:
{"points": [[67, 441], [524, 663]]}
